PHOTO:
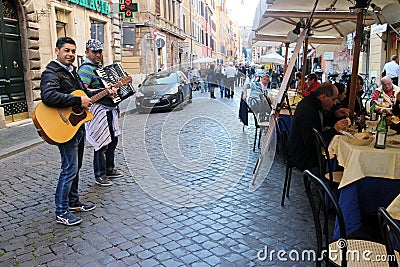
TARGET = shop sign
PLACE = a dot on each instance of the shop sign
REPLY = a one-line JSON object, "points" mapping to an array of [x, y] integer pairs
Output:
{"points": [[378, 28], [100, 6], [329, 55], [350, 41], [128, 8]]}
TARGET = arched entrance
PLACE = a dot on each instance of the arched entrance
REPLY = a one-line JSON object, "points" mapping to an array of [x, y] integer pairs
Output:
{"points": [[12, 90]]}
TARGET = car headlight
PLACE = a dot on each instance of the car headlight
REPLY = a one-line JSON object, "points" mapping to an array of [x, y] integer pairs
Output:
{"points": [[172, 91], [139, 94]]}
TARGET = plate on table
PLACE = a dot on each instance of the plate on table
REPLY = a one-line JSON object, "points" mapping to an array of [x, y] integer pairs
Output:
{"points": [[394, 119], [393, 143], [391, 132]]}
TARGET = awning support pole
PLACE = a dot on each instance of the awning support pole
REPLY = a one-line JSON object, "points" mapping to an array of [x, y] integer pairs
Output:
{"points": [[356, 58]]}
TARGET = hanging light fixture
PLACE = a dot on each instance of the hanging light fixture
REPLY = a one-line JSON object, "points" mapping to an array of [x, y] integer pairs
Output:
{"points": [[297, 29]]}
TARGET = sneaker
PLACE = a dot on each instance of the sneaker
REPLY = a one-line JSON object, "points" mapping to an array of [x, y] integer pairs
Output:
{"points": [[114, 174], [67, 218], [103, 181], [81, 207]]}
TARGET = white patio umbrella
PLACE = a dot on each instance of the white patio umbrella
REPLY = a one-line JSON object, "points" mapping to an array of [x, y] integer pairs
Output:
{"points": [[272, 58], [204, 60]]}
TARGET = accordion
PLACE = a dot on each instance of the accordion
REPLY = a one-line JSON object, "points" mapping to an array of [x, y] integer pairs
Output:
{"points": [[111, 75]]}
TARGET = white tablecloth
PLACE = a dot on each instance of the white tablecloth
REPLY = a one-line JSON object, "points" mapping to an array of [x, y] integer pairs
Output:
{"points": [[363, 161]]}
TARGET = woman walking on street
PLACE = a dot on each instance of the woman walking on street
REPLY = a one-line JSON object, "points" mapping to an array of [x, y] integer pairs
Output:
{"points": [[211, 77]]}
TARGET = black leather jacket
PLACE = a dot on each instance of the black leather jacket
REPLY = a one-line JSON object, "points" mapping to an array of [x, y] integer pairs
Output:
{"points": [[57, 84]]}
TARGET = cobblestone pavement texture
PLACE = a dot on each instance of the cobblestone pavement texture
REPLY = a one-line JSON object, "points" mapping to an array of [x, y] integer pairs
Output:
{"points": [[184, 199]]}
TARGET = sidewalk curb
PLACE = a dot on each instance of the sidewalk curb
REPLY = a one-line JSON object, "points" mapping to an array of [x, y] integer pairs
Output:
{"points": [[23, 146], [10, 151]]}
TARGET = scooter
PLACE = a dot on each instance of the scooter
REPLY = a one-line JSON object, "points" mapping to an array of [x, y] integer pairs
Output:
{"points": [[195, 82]]}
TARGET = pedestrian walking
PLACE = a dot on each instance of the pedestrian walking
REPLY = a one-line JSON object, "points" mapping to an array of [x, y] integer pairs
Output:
{"points": [[230, 73], [203, 78], [221, 78], [103, 130], [391, 69], [58, 81], [211, 80]]}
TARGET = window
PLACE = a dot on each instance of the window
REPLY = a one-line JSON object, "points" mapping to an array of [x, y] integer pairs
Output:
{"points": [[165, 8], [128, 35], [158, 7], [97, 31], [62, 17], [61, 29], [184, 23], [173, 12]]}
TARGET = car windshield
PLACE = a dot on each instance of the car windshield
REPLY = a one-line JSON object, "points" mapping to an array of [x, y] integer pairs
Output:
{"points": [[161, 78]]}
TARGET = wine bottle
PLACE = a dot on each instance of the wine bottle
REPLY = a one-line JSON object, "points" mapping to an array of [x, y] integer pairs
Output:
{"points": [[381, 132], [380, 97], [373, 116]]}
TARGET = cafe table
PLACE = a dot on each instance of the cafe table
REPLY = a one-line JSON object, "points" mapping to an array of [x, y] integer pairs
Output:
{"points": [[371, 179], [394, 208]]}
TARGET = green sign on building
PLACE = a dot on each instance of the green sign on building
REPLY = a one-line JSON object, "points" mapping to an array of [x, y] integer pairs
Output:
{"points": [[100, 6]]}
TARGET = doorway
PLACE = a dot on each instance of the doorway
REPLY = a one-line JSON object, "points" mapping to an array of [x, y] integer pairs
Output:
{"points": [[12, 89]]}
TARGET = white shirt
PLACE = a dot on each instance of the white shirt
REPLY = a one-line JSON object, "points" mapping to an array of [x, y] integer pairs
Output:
{"points": [[392, 69], [230, 72]]}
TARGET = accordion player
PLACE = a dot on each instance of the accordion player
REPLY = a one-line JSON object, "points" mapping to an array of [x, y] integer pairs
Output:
{"points": [[112, 74]]}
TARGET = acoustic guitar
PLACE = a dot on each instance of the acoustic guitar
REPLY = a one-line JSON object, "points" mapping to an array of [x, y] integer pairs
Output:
{"points": [[59, 125]]}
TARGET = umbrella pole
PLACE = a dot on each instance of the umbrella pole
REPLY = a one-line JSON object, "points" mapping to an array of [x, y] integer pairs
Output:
{"points": [[286, 57], [356, 57], [303, 67]]}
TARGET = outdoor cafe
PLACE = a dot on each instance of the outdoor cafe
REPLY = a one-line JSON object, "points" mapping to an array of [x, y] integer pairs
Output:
{"points": [[354, 193]]}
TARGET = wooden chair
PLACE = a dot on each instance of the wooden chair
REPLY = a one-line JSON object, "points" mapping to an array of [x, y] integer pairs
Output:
{"points": [[390, 229], [334, 253]]}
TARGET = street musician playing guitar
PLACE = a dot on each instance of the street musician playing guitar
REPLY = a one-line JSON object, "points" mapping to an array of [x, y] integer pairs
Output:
{"points": [[58, 82]]}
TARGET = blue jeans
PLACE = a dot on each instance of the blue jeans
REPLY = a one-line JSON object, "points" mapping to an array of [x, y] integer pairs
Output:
{"points": [[103, 161], [203, 83], [71, 161]]}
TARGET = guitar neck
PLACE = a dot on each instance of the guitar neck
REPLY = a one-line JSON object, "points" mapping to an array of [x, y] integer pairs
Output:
{"points": [[104, 92], [99, 96]]}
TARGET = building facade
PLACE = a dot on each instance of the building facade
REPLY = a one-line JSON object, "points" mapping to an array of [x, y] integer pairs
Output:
{"points": [[30, 30]]}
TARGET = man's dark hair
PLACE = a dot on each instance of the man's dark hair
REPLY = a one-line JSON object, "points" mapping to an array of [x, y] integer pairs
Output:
{"points": [[340, 87], [394, 57], [312, 76], [325, 88], [64, 40]]}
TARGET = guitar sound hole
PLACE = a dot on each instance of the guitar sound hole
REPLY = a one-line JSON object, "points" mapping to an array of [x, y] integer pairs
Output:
{"points": [[77, 110]]}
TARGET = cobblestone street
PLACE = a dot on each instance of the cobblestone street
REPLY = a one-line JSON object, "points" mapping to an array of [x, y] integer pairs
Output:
{"points": [[184, 199]]}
